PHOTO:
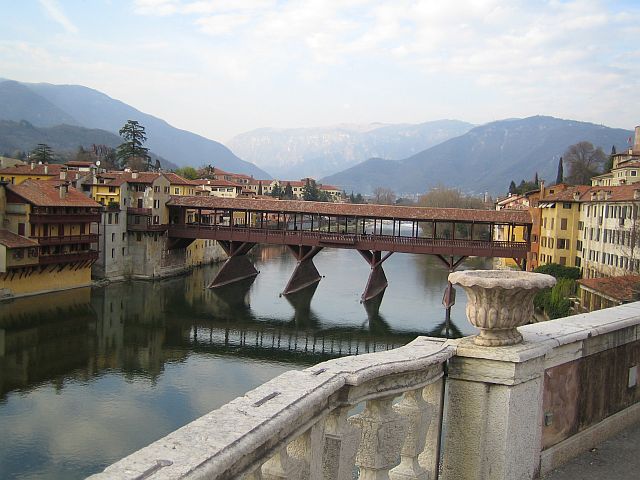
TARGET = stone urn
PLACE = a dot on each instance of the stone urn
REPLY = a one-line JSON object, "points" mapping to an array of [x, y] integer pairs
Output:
{"points": [[499, 301]]}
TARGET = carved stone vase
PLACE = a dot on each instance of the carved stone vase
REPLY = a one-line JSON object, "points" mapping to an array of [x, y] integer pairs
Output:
{"points": [[499, 301]]}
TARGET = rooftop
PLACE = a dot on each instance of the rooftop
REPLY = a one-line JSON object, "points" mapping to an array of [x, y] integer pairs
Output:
{"points": [[355, 210], [46, 193], [13, 240], [624, 288]]}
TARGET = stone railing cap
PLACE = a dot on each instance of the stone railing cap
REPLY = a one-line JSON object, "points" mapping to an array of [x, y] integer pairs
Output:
{"points": [[507, 279]]}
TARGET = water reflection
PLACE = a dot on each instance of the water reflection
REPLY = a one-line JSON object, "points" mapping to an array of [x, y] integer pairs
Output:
{"points": [[89, 375]]}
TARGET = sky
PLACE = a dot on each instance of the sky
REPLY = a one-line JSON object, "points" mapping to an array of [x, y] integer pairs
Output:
{"points": [[220, 68]]}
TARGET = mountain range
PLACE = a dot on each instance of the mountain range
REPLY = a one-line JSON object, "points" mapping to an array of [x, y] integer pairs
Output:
{"points": [[316, 152], [47, 105], [485, 159]]}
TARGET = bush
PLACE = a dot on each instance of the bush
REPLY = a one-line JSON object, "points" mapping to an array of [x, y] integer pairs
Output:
{"points": [[559, 271], [554, 301]]}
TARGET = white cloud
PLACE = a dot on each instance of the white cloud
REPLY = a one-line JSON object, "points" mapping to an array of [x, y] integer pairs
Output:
{"points": [[55, 12]]}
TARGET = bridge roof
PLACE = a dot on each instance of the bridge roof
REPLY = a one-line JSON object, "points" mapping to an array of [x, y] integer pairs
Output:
{"points": [[354, 210]]}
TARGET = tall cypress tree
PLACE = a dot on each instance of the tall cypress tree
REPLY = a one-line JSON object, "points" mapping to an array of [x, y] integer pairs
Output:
{"points": [[560, 175], [536, 180]]}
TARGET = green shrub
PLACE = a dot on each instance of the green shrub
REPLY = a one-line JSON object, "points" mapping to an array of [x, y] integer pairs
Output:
{"points": [[559, 271]]}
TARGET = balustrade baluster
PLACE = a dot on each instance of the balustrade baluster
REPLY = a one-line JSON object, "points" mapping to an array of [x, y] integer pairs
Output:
{"points": [[418, 414], [382, 430], [432, 395], [282, 467], [255, 475], [307, 449], [341, 442]]}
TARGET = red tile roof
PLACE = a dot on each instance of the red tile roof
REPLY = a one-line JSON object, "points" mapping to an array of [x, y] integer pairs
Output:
{"points": [[620, 193], [175, 179], [216, 183], [359, 210], [567, 195], [38, 169], [625, 288], [12, 240], [46, 193]]}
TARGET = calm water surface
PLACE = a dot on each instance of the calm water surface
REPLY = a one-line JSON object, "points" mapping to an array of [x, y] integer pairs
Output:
{"points": [[90, 375]]}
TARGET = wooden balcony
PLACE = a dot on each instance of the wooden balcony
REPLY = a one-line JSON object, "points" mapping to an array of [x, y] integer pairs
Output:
{"points": [[66, 239], [139, 211], [84, 217], [147, 227], [71, 257]]}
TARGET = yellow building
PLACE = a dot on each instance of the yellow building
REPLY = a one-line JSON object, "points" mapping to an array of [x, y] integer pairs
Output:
{"points": [[47, 240], [559, 228]]}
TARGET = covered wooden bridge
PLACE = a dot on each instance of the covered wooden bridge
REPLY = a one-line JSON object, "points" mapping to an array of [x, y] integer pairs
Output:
{"points": [[375, 231]]}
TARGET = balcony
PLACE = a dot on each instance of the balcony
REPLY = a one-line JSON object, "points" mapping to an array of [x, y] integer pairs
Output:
{"points": [[82, 217], [66, 239], [71, 257], [147, 227], [139, 211]]}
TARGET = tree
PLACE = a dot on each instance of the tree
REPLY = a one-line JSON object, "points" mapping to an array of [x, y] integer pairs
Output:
{"points": [[189, 173], [259, 188], [276, 191], [609, 165], [444, 197], [560, 174], [310, 191], [585, 161], [512, 187], [287, 193], [384, 196], [42, 153], [536, 180], [132, 152]]}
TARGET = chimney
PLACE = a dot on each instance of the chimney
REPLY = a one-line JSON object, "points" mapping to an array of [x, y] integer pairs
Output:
{"points": [[134, 174], [32, 164], [541, 189], [46, 169], [63, 190], [636, 143], [576, 196], [63, 173]]}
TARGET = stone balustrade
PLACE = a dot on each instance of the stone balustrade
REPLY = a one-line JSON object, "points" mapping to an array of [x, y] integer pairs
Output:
{"points": [[505, 405], [302, 425]]}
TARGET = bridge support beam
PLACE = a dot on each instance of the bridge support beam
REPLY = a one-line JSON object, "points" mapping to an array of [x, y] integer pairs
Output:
{"points": [[237, 267], [305, 273], [377, 283]]}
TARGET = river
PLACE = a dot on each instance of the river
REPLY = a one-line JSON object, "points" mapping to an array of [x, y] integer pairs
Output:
{"points": [[88, 376]]}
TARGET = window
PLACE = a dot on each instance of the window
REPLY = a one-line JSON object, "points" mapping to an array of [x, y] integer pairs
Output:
{"points": [[156, 204], [176, 190], [109, 218], [563, 224], [166, 189], [117, 218], [113, 253], [552, 222], [138, 237], [156, 189], [113, 237], [566, 205], [123, 251], [124, 236], [563, 260], [112, 189], [563, 243]]}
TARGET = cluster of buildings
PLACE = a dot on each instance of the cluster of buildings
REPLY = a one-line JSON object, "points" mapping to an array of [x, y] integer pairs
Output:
{"points": [[63, 224], [595, 228]]}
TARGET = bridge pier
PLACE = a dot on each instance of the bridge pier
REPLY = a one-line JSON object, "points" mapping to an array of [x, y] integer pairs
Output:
{"points": [[377, 283], [305, 274], [237, 267]]}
